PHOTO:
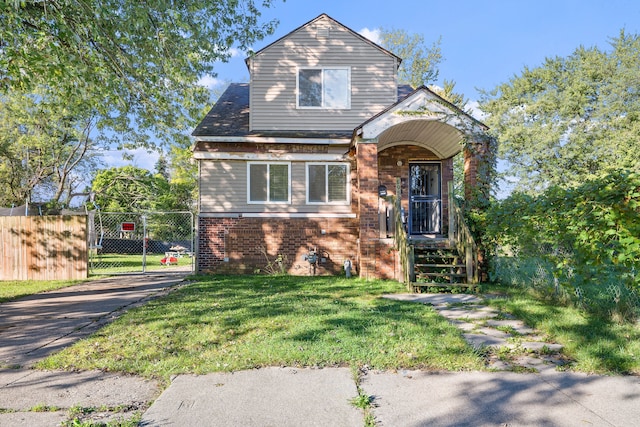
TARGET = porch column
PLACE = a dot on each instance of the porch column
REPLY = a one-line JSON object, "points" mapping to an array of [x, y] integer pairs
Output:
{"points": [[478, 172], [367, 161], [479, 165]]}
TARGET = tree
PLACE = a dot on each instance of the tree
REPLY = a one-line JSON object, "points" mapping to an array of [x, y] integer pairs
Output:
{"points": [[572, 118], [45, 147], [419, 63], [136, 63], [129, 189]]}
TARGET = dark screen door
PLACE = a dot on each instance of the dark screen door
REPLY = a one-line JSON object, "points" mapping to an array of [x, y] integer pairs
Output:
{"points": [[425, 198]]}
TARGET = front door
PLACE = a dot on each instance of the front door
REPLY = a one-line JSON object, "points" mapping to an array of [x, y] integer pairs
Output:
{"points": [[425, 204]]}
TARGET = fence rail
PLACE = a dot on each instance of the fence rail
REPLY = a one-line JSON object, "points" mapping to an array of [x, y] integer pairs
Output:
{"points": [[43, 247]]}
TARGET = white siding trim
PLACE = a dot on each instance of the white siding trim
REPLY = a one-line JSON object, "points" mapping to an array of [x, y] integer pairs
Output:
{"points": [[219, 215], [296, 215], [275, 140], [287, 157], [275, 215]]}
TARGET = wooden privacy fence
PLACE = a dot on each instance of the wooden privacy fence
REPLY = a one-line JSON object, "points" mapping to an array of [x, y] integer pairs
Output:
{"points": [[43, 247]]}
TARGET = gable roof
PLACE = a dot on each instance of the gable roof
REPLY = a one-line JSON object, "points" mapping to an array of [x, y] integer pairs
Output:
{"points": [[440, 100], [425, 118], [318, 18]]}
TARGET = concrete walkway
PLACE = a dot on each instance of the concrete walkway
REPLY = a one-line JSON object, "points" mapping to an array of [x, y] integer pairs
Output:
{"points": [[282, 396]]}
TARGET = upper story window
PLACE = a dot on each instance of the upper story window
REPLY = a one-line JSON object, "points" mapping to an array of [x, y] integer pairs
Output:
{"points": [[327, 183], [269, 182], [328, 87]]}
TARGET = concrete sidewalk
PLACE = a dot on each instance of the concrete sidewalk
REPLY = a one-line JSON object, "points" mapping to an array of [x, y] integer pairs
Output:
{"points": [[322, 397]]}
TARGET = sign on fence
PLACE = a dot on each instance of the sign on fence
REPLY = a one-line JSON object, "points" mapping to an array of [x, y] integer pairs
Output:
{"points": [[142, 242]]}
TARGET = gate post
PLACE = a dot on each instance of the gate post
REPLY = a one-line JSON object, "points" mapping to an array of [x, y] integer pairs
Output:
{"points": [[145, 239]]}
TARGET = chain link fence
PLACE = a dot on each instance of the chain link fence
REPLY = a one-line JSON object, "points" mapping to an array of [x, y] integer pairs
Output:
{"points": [[144, 242]]}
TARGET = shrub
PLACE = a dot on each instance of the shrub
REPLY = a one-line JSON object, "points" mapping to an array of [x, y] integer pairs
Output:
{"points": [[580, 243]]}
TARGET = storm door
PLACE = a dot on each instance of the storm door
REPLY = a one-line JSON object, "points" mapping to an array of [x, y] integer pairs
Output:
{"points": [[425, 204]]}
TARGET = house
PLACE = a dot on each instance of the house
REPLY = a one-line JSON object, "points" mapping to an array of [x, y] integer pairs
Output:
{"points": [[299, 169]]}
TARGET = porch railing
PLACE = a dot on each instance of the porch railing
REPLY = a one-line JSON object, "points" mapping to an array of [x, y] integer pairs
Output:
{"points": [[460, 237], [405, 250]]}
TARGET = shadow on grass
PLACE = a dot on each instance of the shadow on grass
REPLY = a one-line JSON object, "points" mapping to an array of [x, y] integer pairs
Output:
{"points": [[240, 322], [596, 344]]}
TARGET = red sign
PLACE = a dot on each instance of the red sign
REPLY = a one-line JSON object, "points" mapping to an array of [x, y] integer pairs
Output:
{"points": [[128, 226]]}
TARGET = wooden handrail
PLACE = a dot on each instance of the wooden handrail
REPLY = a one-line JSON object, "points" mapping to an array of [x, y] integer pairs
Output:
{"points": [[460, 237], [401, 239]]}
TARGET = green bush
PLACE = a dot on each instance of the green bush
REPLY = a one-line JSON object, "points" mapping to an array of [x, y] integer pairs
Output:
{"points": [[579, 243]]}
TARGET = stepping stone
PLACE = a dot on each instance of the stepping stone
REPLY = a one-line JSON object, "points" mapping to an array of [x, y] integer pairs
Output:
{"points": [[517, 325], [493, 333], [538, 347], [435, 299], [465, 326], [481, 340], [499, 365], [464, 313]]}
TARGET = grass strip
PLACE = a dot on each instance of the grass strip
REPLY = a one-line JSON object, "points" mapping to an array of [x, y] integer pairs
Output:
{"points": [[14, 289]]}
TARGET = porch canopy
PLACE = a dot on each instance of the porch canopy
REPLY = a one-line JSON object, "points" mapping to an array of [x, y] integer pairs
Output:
{"points": [[424, 119]]}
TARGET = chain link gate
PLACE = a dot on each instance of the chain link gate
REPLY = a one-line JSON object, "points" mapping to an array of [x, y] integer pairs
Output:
{"points": [[143, 242]]}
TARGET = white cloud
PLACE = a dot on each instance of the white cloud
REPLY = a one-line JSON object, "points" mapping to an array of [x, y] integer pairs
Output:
{"points": [[140, 157], [235, 53], [209, 81], [476, 112], [373, 35]]}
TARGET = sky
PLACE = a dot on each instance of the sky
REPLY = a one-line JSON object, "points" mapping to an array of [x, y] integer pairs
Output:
{"points": [[484, 42]]}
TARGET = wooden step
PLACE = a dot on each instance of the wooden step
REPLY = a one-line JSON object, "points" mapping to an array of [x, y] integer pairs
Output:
{"points": [[441, 265], [418, 285], [420, 274]]}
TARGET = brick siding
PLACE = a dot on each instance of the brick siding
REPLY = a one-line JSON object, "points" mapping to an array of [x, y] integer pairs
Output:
{"points": [[247, 245]]}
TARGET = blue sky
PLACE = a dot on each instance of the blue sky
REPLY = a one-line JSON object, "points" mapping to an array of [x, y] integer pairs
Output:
{"points": [[484, 42]]}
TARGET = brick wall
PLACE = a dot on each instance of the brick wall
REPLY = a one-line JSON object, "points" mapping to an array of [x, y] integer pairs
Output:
{"points": [[369, 226], [245, 245]]}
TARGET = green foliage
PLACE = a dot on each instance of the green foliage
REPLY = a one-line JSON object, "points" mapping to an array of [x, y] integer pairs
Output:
{"points": [[419, 63], [128, 189], [585, 239], [137, 63], [572, 118], [45, 147]]}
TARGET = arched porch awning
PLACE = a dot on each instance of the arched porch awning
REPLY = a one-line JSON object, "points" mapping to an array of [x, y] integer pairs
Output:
{"points": [[424, 119]]}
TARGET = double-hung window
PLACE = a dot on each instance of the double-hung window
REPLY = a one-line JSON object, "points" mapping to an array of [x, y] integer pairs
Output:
{"points": [[328, 183], [328, 87], [268, 182]]}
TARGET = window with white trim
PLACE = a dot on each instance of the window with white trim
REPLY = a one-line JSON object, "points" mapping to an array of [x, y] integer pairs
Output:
{"points": [[328, 183], [328, 87], [268, 182]]}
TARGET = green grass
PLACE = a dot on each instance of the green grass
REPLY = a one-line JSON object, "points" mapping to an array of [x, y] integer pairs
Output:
{"points": [[125, 263], [14, 289], [232, 323], [596, 345]]}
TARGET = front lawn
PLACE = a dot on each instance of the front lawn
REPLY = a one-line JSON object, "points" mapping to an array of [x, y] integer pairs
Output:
{"points": [[225, 323]]}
